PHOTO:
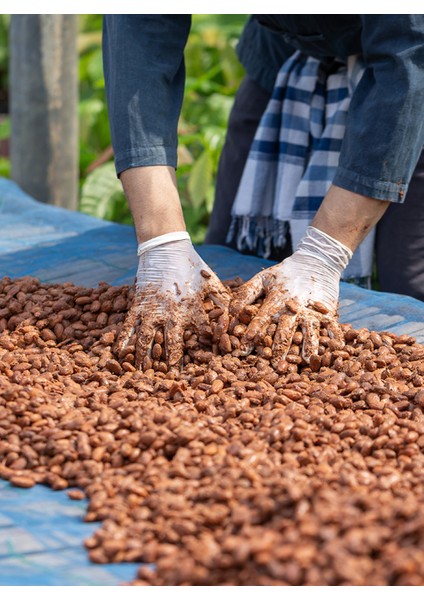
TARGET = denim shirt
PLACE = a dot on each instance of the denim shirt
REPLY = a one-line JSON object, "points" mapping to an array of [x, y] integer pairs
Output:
{"points": [[144, 72]]}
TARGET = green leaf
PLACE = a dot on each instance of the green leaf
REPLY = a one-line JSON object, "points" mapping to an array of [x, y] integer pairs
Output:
{"points": [[5, 129], [5, 167], [89, 111], [87, 40], [95, 66], [200, 179], [102, 195]]}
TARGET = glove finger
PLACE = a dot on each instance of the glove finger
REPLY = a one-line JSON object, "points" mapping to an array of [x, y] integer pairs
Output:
{"points": [[132, 321], [219, 296], [270, 309], [258, 326], [214, 287], [222, 301], [287, 325], [247, 293], [145, 337], [174, 344], [310, 329], [335, 331]]}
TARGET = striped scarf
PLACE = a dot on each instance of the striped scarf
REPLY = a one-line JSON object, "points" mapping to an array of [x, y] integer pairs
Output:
{"points": [[294, 157]]}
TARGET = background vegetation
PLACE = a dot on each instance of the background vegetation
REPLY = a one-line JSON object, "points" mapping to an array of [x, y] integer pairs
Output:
{"points": [[213, 76], [4, 96]]}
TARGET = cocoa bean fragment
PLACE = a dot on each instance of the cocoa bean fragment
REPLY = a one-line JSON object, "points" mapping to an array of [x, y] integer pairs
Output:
{"points": [[156, 351], [22, 481], [76, 495], [225, 343], [113, 366]]}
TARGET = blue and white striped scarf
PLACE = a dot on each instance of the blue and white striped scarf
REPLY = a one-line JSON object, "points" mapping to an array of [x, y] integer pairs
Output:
{"points": [[293, 159]]}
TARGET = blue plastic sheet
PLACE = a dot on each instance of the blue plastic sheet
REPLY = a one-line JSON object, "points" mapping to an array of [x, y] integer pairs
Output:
{"points": [[41, 531], [41, 541]]}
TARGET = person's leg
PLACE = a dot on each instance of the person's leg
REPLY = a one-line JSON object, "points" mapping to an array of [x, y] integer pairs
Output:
{"points": [[249, 105], [400, 242]]}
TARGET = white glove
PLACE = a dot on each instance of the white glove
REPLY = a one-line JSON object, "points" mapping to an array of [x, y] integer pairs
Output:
{"points": [[302, 290], [172, 282]]}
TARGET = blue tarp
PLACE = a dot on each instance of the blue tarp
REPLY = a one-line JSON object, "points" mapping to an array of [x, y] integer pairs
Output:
{"points": [[41, 531], [41, 541]]}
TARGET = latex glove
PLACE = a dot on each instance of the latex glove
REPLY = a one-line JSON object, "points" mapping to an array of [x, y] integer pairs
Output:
{"points": [[172, 282], [302, 290]]}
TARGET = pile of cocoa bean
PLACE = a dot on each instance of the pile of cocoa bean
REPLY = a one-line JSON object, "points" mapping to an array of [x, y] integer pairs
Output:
{"points": [[234, 471]]}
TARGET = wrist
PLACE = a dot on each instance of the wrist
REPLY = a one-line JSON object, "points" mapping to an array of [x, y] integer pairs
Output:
{"points": [[154, 201], [347, 216], [318, 245], [160, 240], [146, 232]]}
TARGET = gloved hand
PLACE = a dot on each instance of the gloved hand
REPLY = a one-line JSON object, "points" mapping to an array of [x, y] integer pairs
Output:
{"points": [[172, 282], [302, 290]]}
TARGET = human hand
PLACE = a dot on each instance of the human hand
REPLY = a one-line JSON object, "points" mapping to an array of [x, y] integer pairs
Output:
{"points": [[301, 291], [172, 282]]}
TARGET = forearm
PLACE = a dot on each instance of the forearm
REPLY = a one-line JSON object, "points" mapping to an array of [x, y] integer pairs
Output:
{"points": [[153, 199], [348, 217]]}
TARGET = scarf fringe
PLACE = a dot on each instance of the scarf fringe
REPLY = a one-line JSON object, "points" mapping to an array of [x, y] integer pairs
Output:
{"points": [[258, 234]]}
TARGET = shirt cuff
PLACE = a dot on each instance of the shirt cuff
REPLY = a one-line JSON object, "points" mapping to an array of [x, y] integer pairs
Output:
{"points": [[367, 186], [146, 157]]}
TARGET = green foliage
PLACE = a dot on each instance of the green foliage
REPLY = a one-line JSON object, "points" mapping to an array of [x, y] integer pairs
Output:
{"points": [[5, 121], [5, 128], [213, 76], [4, 167], [93, 118], [4, 34], [102, 196], [4, 52]]}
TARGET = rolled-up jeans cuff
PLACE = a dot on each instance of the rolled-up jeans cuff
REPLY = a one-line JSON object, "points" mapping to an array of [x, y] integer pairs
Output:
{"points": [[367, 186], [145, 157]]}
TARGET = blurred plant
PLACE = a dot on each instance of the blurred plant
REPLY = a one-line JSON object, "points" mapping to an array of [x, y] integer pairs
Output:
{"points": [[4, 96], [4, 146], [93, 118], [102, 196], [4, 59], [213, 76]]}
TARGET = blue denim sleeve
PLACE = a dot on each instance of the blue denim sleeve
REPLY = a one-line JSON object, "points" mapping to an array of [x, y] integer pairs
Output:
{"points": [[385, 129], [143, 58]]}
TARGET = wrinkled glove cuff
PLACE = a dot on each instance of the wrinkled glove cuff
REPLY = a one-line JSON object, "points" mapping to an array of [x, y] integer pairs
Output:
{"points": [[320, 245], [174, 236]]}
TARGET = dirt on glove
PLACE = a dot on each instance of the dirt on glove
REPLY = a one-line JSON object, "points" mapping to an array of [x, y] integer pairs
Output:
{"points": [[230, 472]]}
